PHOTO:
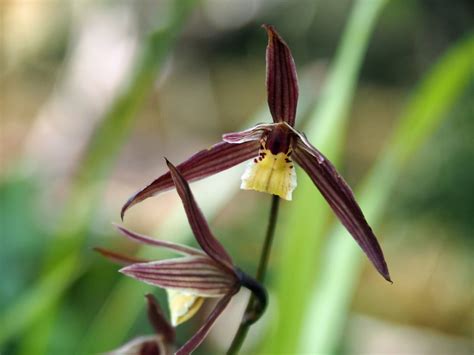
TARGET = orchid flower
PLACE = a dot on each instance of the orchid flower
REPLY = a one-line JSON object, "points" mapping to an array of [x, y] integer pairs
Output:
{"points": [[197, 275], [273, 149], [161, 343]]}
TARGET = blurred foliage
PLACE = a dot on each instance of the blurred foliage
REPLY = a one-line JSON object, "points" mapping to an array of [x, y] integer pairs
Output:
{"points": [[436, 94], [53, 209], [18, 225], [442, 167]]}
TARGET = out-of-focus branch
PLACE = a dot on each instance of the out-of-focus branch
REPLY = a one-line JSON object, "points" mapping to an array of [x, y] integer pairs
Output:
{"points": [[92, 171]]}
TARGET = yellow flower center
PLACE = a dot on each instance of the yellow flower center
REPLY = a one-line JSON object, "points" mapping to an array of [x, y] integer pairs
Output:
{"points": [[274, 174], [182, 305]]}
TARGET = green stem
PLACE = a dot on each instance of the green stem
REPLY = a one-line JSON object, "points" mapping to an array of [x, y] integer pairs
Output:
{"points": [[251, 315], [262, 267]]}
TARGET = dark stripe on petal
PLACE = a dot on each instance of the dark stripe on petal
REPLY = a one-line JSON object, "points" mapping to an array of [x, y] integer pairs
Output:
{"points": [[176, 278], [282, 81], [200, 261], [199, 336], [217, 158], [178, 270], [189, 269], [179, 281], [203, 278], [185, 279], [184, 283], [191, 275], [183, 270], [341, 199], [189, 264]]}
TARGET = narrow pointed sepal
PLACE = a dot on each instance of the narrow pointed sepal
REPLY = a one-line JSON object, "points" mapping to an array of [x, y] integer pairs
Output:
{"points": [[340, 197], [119, 258], [282, 81], [158, 320], [200, 335], [198, 275], [198, 223], [143, 239], [217, 158]]}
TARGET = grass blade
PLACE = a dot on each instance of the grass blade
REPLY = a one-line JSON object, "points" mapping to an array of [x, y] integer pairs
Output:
{"points": [[434, 97]]}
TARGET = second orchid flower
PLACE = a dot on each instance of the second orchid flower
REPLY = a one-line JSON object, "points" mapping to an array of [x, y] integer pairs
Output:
{"points": [[199, 274]]}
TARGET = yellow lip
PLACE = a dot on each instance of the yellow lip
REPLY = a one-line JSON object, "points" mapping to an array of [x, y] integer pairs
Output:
{"points": [[273, 174], [182, 305]]}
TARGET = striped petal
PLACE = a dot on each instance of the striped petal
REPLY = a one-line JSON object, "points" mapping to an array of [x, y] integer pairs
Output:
{"points": [[282, 81], [198, 223], [217, 158], [198, 275], [341, 199]]}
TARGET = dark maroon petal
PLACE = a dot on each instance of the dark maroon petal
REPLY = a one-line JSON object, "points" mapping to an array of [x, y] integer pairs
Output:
{"points": [[204, 237], [199, 336], [158, 320], [217, 158], [282, 81], [194, 274], [183, 249], [119, 258], [251, 134], [341, 199]]}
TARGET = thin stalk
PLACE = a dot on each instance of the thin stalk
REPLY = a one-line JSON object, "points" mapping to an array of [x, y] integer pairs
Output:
{"points": [[251, 314]]}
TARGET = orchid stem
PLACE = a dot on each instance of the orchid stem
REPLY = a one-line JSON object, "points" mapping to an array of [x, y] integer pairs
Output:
{"points": [[262, 266], [253, 312]]}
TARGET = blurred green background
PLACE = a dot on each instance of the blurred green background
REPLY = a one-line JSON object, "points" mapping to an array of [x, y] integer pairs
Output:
{"points": [[95, 93]]}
